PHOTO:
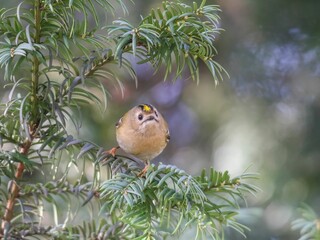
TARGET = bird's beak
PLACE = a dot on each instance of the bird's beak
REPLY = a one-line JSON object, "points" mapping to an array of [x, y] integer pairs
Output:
{"points": [[150, 118]]}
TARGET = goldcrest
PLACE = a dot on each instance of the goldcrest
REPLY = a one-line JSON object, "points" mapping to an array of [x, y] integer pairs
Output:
{"points": [[142, 132]]}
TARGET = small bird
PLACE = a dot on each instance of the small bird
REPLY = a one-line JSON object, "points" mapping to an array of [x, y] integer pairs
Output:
{"points": [[143, 133]]}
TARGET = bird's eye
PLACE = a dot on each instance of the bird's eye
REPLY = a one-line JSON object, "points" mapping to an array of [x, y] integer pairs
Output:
{"points": [[140, 117]]}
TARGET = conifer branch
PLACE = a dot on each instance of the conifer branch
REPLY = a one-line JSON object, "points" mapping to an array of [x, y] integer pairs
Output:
{"points": [[35, 122]]}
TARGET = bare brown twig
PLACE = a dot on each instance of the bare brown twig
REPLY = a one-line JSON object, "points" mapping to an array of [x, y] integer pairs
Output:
{"points": [[14, 191]]}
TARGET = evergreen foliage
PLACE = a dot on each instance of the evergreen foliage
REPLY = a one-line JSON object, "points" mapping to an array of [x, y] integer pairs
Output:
{"points": [[308, 224], [47, 84]]}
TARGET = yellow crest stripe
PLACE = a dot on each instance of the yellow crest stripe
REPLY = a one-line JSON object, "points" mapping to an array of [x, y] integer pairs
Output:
{"points": [[146, 107]]}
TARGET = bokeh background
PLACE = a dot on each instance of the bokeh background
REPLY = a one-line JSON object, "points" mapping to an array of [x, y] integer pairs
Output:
{"points": [[264, 118]]}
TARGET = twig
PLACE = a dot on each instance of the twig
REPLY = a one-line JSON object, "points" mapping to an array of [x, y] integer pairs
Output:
{"points": [[14, 191], [24, 149]]}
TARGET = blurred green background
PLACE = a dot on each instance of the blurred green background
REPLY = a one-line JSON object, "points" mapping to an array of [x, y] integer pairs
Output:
{"points": [[265, 117]]}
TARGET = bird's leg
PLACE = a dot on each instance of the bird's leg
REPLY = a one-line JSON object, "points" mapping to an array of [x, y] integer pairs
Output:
{"points": [[144, 170], [112, 151]]}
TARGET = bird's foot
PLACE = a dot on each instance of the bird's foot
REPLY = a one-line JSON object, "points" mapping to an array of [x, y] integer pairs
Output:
{"points": [[143, 171], [112, 151]]}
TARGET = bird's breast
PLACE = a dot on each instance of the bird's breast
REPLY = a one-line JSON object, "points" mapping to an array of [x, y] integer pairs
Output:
{"points": [[145, 145]]}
